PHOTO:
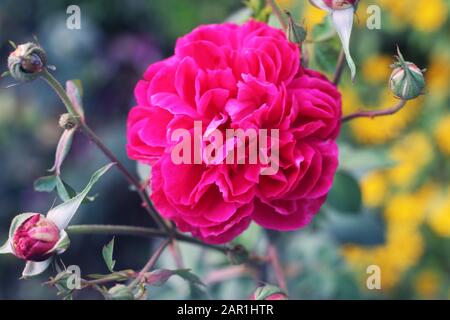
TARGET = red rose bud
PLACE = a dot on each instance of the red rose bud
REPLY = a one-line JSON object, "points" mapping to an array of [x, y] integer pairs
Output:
{"points": [[269, 292], [407, 81], [34, 238], [340, 4]]}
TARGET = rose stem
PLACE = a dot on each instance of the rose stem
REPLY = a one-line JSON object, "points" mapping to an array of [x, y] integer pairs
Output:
{"points": [[150, 264], [272, 254], [339, 68], [277, 12], [56, 86], [375, 113], [139, 232]]}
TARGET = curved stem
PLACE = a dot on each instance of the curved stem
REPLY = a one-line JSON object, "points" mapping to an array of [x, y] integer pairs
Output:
{"points": [[375, 113], [339, 68], [138, 232], [57, 87], [277, 12]]}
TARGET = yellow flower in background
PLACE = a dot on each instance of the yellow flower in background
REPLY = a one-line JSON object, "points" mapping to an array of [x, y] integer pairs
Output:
{"points": [[424, 15], [398, 8], [405, 209], [442, 134], [374, 189], [403, 249], [429, 15], [427, 284], [404, 214], [377, 69], [411, 153], [312, 16], [439, 216], [438, 75]]}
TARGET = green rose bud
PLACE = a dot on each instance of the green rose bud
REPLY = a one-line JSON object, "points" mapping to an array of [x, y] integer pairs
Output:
{"points": [[407, 81], [120, 292]]}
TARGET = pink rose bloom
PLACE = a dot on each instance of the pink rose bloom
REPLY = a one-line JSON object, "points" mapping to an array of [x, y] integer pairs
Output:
{"points": [[238, 77], [34, 238]]}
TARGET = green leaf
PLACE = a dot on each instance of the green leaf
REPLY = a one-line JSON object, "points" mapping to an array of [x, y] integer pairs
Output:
{"points": [[45, 184], [107, 253], [326, 46], [325, 56], [65, 192], [366, 229], [62, 214], [324, 30], [189, 276], [345, 195], [159, 277], [363, 161]]}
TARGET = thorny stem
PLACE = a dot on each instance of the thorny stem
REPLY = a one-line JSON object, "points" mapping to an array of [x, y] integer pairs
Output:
{"points": [[56, 86], [139, 232], [375, 113], [339, 68], [150, 264], [277, 12]]}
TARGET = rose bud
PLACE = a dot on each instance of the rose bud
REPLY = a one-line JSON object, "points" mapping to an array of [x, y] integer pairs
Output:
{"points": [[35, 238], [120, 292], [269, 292], [340, 4], [407, 81], [27, 62]]}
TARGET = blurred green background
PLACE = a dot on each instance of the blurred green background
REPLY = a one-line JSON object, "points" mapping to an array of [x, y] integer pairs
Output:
{"points": [[401, 162]]}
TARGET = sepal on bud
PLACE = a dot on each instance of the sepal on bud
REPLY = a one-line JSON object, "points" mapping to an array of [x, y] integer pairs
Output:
{"points": [[407, 81], [341, 4], [120, 292], [295, 33], [27, 62], [37, 238]]}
